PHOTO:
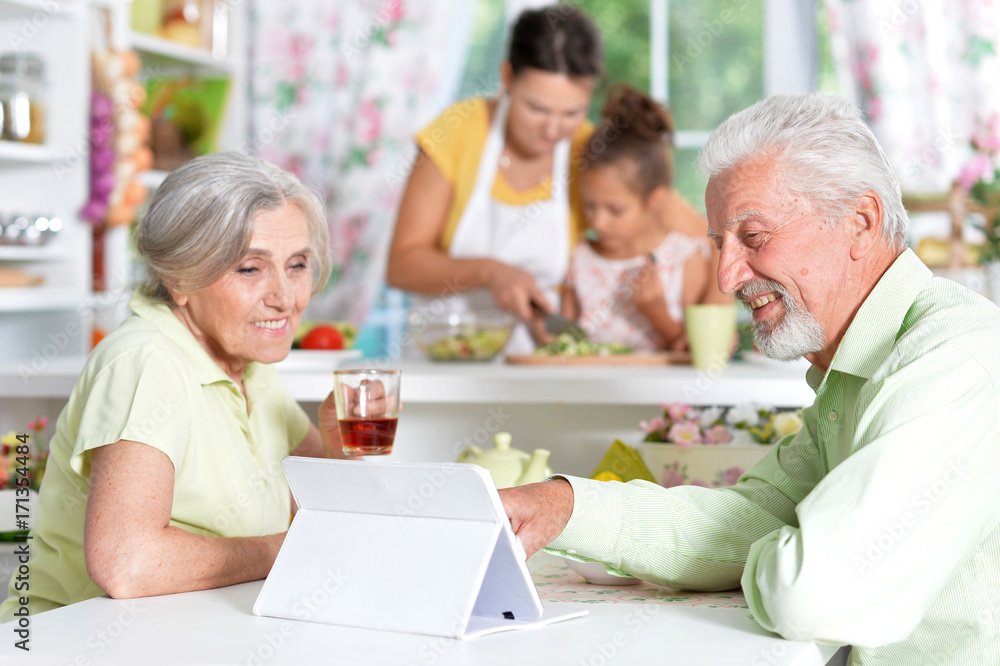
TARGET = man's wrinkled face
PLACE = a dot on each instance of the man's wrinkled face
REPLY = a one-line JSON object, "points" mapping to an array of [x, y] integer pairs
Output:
{"points": [[777, 257]]}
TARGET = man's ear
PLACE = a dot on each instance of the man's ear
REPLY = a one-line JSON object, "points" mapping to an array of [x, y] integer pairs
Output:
{"points": [[864, 224]]}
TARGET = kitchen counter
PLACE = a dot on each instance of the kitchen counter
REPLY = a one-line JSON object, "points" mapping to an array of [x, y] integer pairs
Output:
{"points": [[639, 625], [757, 378], [573, 411]]}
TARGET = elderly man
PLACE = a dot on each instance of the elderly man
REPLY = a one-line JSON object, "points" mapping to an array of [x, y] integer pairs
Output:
{"points": [[876, 525]]}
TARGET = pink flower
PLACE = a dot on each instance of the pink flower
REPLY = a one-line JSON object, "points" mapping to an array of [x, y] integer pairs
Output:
{"points": [[341, 75], [684, 434], [371, 122], [395, 10], [676, 411], [698, 482], [652, 426], [718, 434], [39, 424], [974, 171], [987, 139], [672, 477], [732, 475]]}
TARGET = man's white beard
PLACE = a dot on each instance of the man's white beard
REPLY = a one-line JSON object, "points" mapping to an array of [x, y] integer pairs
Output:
{"points": [[796, 334]]}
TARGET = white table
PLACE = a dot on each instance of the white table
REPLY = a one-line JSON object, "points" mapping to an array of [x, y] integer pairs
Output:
{"points": [[640, 626]]}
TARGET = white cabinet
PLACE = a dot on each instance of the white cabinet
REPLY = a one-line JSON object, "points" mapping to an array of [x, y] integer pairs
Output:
{"points": [[164, 58], [50, 179], [53, 319]]}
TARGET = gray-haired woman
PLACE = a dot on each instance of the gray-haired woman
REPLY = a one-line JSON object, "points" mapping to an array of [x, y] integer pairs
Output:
{"points": [[163, 473]]}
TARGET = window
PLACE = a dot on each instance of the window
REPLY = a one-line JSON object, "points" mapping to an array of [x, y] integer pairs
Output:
{"points": [[706, 58]]}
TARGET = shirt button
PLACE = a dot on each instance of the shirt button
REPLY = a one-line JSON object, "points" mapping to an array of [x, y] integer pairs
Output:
{"points": [[832, 415]]}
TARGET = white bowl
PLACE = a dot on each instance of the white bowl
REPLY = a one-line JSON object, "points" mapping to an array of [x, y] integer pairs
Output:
{"points": [[595, 574]]}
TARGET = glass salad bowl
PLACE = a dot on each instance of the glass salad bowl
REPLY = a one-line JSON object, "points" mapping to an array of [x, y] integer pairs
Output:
{"points": [[462, 336]]}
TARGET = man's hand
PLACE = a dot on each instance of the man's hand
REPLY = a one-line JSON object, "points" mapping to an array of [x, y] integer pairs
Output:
{"points": [[538, 512]]}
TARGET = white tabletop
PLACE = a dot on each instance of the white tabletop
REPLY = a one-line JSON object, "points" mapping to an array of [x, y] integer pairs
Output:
{"points": [[217, 627]]}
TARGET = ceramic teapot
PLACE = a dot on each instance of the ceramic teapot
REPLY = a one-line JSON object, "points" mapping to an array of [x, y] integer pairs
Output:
{"points": [[509, 467]]}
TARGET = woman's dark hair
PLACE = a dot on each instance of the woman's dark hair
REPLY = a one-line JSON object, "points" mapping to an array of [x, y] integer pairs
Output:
{"points": [[634, 128], [560, 39]]}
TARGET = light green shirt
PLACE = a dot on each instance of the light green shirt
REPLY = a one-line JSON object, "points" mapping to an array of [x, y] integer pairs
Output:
{"points": [[877, 524], [150, 381]]}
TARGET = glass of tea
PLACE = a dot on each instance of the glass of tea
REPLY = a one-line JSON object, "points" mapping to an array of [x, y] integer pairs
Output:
{"points": [[367, 409]]}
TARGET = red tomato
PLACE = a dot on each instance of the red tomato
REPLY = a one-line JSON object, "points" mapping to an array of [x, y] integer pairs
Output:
{"points": [[323, 337]]}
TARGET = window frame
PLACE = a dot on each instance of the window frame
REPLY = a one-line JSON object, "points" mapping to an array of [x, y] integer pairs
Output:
{"points": [[791, 59]]}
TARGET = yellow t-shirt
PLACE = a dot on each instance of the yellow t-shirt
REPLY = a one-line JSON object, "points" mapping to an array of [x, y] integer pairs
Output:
{"points": [[454, 141], [150, 381]]}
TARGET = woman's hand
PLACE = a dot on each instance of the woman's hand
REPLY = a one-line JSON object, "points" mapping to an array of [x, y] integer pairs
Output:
{"points": [[514, 290], [329, 427]]}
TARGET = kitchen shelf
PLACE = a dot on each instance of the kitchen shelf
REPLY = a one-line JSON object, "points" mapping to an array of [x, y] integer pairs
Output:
{"points": [[17, 154], [159, 52], [34, 253], [23, 7], [40, 299]]}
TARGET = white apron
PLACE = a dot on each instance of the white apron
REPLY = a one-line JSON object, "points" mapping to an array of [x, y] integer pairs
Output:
{"points": [[534, 238]]}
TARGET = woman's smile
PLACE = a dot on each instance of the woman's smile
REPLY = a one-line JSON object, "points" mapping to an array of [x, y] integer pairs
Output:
{"points": [[273, 327]]}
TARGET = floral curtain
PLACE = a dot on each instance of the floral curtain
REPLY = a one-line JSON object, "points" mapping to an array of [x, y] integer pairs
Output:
{"points": [[338, 89], [926, 73]]}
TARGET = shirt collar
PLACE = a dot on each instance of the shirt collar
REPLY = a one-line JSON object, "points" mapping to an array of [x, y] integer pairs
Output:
{"points": [[872, 333], [160, 315]]}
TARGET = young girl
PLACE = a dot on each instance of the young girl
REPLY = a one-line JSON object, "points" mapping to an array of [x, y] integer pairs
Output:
{"points": [[647, 255]]}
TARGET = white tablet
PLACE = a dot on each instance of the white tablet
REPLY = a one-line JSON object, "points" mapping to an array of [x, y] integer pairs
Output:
{"points": [[416, 547]]}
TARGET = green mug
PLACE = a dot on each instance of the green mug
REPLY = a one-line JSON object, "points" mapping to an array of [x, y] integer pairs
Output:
{"points": [[710, 330]]}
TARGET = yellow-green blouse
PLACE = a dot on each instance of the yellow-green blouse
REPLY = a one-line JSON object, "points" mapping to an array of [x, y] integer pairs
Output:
{"points": [[150, 381]]}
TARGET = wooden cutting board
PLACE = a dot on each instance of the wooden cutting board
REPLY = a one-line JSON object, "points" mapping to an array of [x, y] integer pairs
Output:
{"points": [[637, 358]]}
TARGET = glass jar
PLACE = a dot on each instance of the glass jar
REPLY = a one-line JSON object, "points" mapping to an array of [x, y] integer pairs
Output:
{"points": [[23, 94]]}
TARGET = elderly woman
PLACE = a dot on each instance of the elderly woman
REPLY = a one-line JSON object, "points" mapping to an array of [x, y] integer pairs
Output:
{"points": [[164, 470]]}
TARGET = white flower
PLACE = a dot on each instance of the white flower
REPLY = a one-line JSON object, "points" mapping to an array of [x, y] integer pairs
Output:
{"points": [[745, 415], [787, 423], [710, 415]]}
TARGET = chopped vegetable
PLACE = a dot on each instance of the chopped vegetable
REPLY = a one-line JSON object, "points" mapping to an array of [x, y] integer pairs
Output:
{"points": [[474, 346], [566, 345]]}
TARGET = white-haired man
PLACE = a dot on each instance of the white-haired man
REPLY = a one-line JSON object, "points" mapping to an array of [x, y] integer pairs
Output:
{"points": [[877, 524]]}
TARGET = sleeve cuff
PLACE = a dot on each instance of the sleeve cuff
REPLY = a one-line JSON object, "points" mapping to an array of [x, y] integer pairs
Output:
{"points": [[592, 529]]}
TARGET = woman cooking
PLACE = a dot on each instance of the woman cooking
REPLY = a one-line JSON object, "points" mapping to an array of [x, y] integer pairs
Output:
{"points": [[164, 474], [492, 208]]}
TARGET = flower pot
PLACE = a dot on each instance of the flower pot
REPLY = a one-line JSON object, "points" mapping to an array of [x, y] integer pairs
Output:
{"points": [[710, 466]]}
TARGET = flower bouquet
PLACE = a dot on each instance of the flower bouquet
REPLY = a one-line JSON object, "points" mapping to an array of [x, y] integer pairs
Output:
{"points": [[980, 179], [711, 446]]}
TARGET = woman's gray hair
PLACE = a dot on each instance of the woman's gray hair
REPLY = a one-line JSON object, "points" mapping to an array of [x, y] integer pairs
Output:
{"points": [[201, 220], [826, 151]]}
